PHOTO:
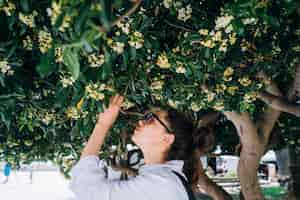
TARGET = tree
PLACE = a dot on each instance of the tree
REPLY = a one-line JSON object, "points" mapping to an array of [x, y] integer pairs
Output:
{"points": [[61, 60]]}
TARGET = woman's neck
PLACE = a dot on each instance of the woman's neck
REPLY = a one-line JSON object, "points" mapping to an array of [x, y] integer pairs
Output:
{"points": [[154, 158]]}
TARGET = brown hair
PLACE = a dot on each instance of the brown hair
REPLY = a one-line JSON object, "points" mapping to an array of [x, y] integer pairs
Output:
{"points": [[190, 142]]}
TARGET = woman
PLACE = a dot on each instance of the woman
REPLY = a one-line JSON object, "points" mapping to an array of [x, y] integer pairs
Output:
{"points": [[170, 146]]}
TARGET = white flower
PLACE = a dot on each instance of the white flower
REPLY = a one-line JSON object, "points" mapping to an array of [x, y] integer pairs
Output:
{"points": [[173, 103], [125, 27], [249, 21], [6, 68], [118, 47], [66, 81], [136, 40], [45, 41], [229, 28], [27, 43], [222, 22], [157, 85], [28, 19], [94, 91], [185, 13], [96, 60], [195, 107], [168, 3]]}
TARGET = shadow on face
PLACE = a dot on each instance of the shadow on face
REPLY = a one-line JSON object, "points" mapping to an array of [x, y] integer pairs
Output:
{"points": [[151, 134]]}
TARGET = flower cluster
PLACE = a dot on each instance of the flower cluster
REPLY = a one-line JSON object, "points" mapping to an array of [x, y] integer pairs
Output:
{"points": [[9, 8], [95, 60], [124, 26], [162, 61], [232, 90], [227, 75], [28, 19], [73, 113], [215, 38], [195, 106], [127, 104], [5, 68], [180, 69], [168, 3], [250, 97], [48, 118], [157, 84], [58, 52], [185, 13], [66, 23], [27, 43], [224, 22], [136, 40], [54, 12], [247, 21], [45, 41], [245, 81], [173, 103], [95, 91], [118, 47], [66, 80]]}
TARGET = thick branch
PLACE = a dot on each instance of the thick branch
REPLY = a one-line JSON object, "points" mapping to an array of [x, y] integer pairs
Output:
{"points": [[294, 91], [268, 118], [280, 104], [128, 13], [245, 127]]}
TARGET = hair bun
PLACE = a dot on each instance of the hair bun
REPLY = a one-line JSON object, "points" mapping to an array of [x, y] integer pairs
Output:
{"points": [[203, 139]]}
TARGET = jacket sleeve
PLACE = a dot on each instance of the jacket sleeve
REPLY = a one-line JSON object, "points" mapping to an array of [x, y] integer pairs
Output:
{"points": [[88, 182]]}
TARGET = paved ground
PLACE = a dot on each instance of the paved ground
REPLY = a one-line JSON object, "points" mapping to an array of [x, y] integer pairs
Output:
{"points": [[46, 186]]}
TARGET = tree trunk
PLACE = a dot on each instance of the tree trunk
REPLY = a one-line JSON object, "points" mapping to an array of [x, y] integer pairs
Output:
{"points": [[247, 172], [294, 192]]}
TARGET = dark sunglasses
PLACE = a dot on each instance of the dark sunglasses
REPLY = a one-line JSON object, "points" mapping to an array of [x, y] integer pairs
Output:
{"points": [[150, 116]]}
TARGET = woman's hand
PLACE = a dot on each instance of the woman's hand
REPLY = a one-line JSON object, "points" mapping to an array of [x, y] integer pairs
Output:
{"points": [[110, 114]]}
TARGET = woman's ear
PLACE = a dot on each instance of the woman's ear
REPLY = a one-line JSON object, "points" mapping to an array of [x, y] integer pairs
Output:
{"points": [[169, 139]]}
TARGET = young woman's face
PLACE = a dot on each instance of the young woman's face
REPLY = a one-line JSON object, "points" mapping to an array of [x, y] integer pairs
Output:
{"points": [[152, 134]]}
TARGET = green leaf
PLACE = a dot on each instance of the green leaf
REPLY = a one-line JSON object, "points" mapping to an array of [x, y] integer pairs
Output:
{"points": [[5, 119], [25, 5], [106, 71], [45, 67], [105, 14], [71, 60], [272, 21], [132, 53], [238, 26]]}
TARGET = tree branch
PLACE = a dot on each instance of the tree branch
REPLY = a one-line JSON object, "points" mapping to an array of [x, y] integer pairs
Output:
{"points": [[268, 118], [279, 104], [245, 127], [128, 13], [179, 27], [294, 91]]}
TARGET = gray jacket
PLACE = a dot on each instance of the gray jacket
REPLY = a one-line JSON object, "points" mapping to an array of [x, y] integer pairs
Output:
{"points": [[154, 182]]}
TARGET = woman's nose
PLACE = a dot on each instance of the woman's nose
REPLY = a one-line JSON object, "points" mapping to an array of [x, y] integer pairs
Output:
{"points": [[141, 123]]}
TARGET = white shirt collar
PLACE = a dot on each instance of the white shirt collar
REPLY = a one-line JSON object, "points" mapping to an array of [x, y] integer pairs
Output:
{"points": [[176, 165]]}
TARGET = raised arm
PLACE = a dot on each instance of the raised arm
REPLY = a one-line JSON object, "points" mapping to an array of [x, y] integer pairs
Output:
{"points": [[105, 121]]}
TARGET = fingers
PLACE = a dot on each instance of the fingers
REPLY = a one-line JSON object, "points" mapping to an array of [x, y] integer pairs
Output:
{"points": [[116, 100]]}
